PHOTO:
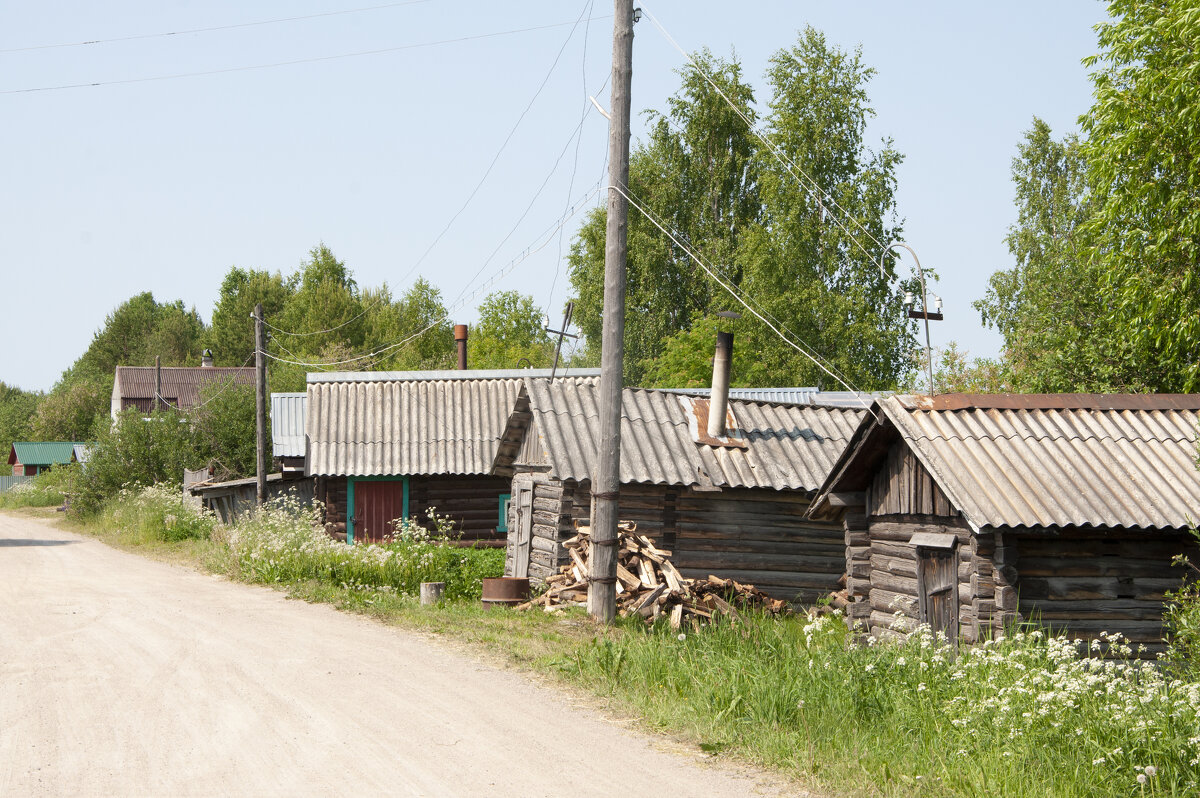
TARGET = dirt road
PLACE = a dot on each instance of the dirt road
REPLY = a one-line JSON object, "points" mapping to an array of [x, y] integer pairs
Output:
{"points": [[124, 676]]}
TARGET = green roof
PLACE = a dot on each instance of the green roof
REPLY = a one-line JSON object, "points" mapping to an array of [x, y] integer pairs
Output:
{"points": [[41, 453]]}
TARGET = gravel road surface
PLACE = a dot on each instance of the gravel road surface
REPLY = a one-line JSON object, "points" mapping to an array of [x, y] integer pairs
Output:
{"points": [[125, 676]]}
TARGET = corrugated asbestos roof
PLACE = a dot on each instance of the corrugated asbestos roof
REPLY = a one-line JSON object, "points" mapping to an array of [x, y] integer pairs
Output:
{"points": [[180, 384], [287, 424], [1056, 461], [792, 396], [402, 423], [787, 446], [41, 453]]}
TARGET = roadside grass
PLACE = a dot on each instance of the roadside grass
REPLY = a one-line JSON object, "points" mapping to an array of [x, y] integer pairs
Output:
{"points": [[1024, 715], [47, 489]]}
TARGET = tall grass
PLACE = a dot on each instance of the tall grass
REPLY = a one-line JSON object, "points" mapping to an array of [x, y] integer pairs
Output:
{"points": [[1022, 715], [47, 489], [157, 514], [283, 542]]}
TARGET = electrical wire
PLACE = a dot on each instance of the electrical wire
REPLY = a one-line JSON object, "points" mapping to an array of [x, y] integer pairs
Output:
{"points": [[575, 165], [812, 187], [294, 62], [503, 145], [231, 382], [545, 239], [140, 36], [797, 344]]}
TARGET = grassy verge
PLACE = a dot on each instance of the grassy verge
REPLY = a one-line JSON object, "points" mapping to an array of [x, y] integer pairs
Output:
{"points": [[1027, 715], [47, 489]]}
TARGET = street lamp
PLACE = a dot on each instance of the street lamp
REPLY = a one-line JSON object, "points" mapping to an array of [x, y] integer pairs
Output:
{"points": [[924, 312]]}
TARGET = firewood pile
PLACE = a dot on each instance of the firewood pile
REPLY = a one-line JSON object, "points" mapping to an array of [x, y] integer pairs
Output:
{"points": [[648, 584]]}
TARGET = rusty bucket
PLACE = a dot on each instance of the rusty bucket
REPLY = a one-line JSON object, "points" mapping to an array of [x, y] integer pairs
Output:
{"points": [[505, 591]]}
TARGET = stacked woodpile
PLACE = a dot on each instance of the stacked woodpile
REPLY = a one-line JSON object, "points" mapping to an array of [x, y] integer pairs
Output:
{"points": [[649, 586]]}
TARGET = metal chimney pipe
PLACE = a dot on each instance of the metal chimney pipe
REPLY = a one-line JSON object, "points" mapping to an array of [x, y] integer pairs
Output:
{"points": [[460, 338], [719, 399], [206, 359]]}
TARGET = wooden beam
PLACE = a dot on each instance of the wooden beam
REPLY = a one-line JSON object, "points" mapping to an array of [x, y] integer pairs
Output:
{"points": [[856, 498]]}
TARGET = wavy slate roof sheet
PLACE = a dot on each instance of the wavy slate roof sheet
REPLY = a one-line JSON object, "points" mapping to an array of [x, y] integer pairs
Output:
{"points": [[287, 424], [788, 446], [365, 424], [1055, 461]]}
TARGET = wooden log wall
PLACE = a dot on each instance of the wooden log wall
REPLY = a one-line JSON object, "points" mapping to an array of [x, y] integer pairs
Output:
{"points": [[894, 599], [332, 492], [554, 514], [1089, 580], [857, 537], [471, 502], [759, 537]]}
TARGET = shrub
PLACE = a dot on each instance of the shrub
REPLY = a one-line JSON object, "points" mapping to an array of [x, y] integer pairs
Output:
{"points": [[137, 451], [284, 542], [1182, 618], [158, 513], [47, 489]]}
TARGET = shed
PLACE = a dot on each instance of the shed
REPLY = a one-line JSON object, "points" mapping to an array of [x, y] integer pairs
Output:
{"points": [[732, 507], [397, 444], [133, 386], [970, 512], [235, 498], [29, 458], [288, 411]]}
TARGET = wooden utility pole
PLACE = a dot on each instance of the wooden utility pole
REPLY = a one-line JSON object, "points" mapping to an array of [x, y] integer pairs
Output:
{"points": [[260, 401], [158, 400], [602, 585]]}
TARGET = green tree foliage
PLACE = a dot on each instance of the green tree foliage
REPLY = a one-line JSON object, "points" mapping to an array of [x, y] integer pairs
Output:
{"points": [[696, 174], [1049, 306], [224, 434], [324, 306], [799, 236], [137, 450], [412, 332], [16, 417], [231, 334], [511, 327], [133, 335], [1143, 154], [70, 412]]}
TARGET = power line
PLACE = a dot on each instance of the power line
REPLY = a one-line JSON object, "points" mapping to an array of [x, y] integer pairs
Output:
{"points": [[546, 237], [786, 162], [737, 294], [503, 145], [140, 36], [317, 59]]}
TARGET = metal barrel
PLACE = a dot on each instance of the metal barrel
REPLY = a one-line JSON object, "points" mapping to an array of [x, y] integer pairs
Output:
{"points": [[505, 591]]}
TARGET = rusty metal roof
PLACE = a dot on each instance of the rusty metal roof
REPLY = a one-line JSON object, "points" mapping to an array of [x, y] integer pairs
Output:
{"points": [[1054, 460], [181, 385], [287, 424], [381, 423], [786, 446]]}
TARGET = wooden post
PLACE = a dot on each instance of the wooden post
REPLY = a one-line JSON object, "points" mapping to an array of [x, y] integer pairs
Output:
{"points": [[157, 384], [260, 401], [602, 591], [432, 592]]}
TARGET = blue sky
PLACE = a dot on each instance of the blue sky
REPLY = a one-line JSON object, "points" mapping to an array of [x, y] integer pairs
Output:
{"points": [[164, 184]]}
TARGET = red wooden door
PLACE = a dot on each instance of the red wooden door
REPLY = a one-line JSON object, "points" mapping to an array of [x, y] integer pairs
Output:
{"points": [[376, 506]]}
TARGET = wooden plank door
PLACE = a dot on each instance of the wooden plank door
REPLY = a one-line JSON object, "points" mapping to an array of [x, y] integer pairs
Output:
{"points": [[937, 590], [524, 530], [376, 506]]}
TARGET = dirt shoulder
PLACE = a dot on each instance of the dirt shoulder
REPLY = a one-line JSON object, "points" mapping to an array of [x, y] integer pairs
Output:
{"points": [[123, 675]]}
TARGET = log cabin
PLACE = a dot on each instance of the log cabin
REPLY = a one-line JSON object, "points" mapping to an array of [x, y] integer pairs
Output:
{"points": [[975, 512], [388, 445], [731, 505]]}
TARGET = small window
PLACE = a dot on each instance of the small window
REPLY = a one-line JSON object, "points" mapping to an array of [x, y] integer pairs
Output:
{"points": [[502, 526]]}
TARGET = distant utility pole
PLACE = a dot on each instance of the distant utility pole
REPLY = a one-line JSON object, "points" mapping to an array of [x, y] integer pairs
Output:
{"points": [[158, 400], [260, 401], [606, 485]]}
